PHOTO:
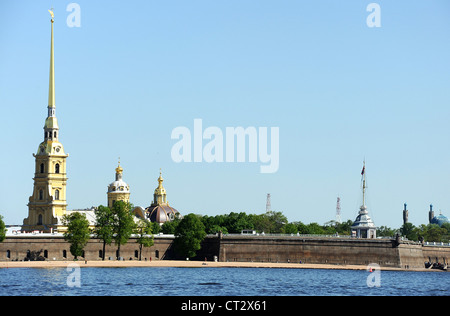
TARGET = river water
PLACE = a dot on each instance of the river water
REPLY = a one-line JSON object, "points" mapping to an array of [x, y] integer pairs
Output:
{"points": [[156, 281]]}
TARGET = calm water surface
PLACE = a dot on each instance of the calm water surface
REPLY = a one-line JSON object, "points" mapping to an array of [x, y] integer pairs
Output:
{"points": [[218, 281]]}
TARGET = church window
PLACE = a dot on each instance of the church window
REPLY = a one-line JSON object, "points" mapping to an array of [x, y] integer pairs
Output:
{"points": [[39, 219], [42, 168], [54, 134], [41, 195], [57, 168], [56, 194]]}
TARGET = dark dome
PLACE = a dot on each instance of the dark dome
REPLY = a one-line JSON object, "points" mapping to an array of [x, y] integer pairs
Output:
{"points": [[160, 213]]}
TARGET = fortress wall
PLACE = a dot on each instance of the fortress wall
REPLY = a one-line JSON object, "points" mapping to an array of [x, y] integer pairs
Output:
{"points": [[18, 247], [436, 254], [384, 252], [411, 255], [316, 250]]}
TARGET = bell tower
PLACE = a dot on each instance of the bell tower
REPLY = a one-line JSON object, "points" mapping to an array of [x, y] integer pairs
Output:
{"points": [[48, 204]]}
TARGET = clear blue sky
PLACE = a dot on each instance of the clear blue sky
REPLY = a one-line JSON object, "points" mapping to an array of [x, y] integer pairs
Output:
{"points": [[338, 90]]}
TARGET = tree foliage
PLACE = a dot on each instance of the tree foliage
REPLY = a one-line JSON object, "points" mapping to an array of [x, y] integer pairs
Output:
{"points": [[143, 230], [123, 223], [2, 229], [104, 228], [78, 232], [189, 235]]}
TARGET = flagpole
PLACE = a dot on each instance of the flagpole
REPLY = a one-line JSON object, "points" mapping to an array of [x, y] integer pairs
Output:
{"points": [[364, 182]]}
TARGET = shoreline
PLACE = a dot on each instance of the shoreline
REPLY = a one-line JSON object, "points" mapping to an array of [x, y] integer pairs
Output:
{"points": [[191, 264]]}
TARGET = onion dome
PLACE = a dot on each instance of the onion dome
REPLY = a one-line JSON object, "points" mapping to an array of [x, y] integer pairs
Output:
{"points": [[161, 213]]}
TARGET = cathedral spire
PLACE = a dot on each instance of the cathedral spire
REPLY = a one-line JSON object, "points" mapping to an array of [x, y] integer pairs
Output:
{"points": [[51, 123], [48, 204], [51, 85], [160, 195]]}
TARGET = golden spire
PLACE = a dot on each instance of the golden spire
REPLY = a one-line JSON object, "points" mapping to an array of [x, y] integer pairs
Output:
{"points": [[51, 123], [51, 88], [119, 169], [160, 179], [160, 196]]}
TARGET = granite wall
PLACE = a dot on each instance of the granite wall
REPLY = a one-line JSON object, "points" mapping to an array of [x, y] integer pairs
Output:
{"points": [[339, 251]]}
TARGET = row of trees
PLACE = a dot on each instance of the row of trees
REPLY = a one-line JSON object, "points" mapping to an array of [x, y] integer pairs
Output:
{"points": [[430, 232], [189, 231], [117, 224], [277, 223], [114, 224]]}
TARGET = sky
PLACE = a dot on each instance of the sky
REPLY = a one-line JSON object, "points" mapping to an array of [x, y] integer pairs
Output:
{"points": [[339, 92]]}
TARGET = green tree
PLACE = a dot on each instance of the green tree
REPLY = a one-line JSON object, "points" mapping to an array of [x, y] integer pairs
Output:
{"points": [[385, 231], [104, 226], [261, 223], [78, 232], [156, 228], [290, 228], [434, 233], [143, 231], [314, 228], [170, 226], [409, 231], [277, 220], [2, 229], [236, 222], [216, 229], [344, 228], [446, 234], [214, 224], [189, 235], [123, 224], [302, 228]]}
